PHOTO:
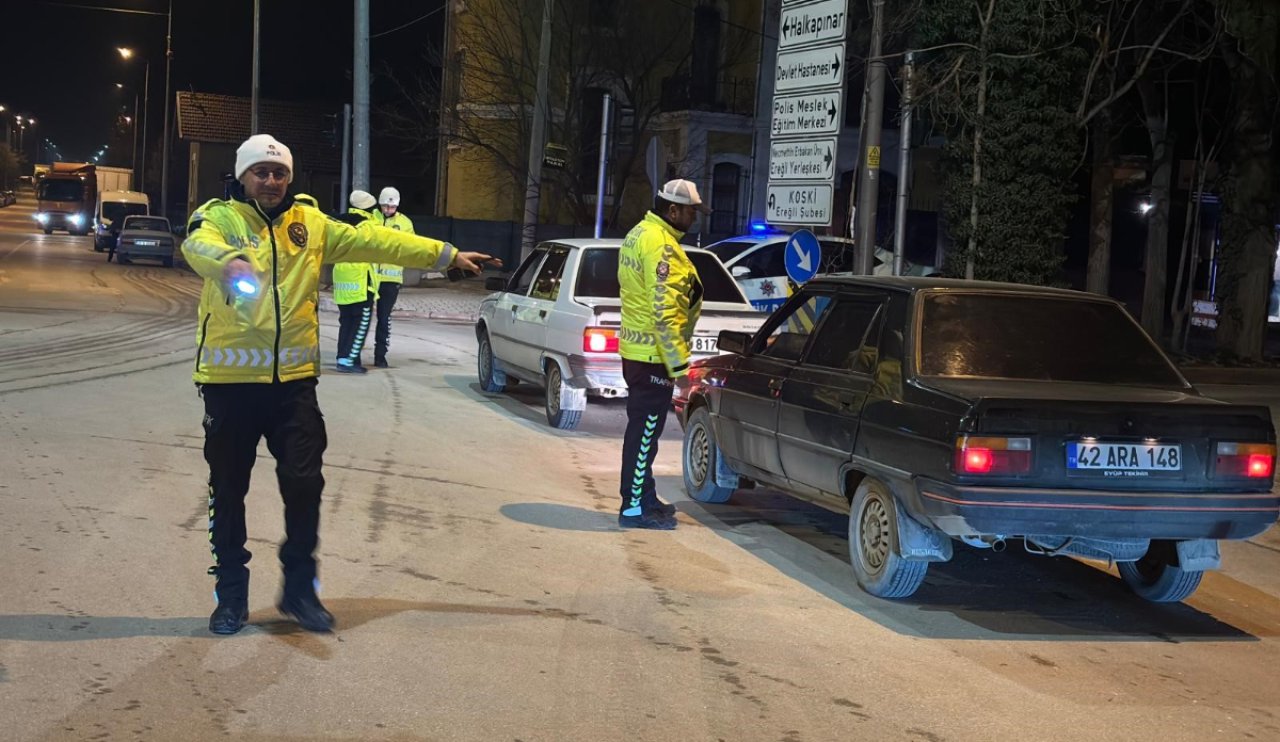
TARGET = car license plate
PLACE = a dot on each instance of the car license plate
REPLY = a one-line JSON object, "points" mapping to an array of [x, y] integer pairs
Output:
{"points": [[146, 243], [1135, 457], [704, 344]]}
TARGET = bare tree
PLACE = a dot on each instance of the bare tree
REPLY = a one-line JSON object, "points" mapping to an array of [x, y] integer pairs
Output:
{"points": [[631, 52]]}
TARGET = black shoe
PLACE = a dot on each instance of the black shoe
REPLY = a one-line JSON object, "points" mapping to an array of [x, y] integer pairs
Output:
{"points": [[229, 616], [345, 369], [658, 506], [381, 363], [307, 611], [651, 519]]}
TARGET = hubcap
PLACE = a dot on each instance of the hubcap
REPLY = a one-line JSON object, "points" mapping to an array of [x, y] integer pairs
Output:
{"points": [[553, 391], [699, 455], [486, 361], [875, 534]]}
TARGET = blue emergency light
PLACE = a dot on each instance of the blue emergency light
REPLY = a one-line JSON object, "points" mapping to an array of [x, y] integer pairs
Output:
{"points": [[245, 287]]}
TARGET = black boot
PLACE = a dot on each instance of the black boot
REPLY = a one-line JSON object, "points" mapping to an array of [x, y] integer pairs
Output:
{"points": [[307, 610], [229, 616]]}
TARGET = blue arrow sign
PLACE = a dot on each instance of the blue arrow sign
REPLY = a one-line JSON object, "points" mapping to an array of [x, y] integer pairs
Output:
{"points": [[803, 256]]}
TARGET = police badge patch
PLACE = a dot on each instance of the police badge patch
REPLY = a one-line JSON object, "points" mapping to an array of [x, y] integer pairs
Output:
{"points": [[298, 234], [664, 270]]}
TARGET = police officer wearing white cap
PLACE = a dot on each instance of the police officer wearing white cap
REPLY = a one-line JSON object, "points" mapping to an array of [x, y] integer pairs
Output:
{"points": [[258, 356], [661, 301], [390, 276]]}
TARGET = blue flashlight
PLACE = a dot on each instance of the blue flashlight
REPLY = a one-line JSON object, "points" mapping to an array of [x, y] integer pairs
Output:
{"points": [[246, 287]]}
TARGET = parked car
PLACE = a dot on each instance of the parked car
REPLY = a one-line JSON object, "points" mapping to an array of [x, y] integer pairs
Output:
{"points": [[555, 323], [109, 216], [8, 198], [758, 263], [936, 410], [147, 237]]}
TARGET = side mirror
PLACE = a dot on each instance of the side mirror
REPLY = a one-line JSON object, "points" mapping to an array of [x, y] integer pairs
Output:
{"points": [[733, 342], [495, 283], [740, 271]]}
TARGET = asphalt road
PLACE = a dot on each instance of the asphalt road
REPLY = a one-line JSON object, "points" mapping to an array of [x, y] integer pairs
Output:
{"points": [[483, 591]]}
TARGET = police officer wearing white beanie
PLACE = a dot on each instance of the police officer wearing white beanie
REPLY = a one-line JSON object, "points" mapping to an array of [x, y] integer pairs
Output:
{"points": [[390, 277]]}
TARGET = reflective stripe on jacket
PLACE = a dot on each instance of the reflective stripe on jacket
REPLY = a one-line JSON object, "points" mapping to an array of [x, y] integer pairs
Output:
{"points": [[274, 333], [388, 273], [353, 282], [661, 296]]}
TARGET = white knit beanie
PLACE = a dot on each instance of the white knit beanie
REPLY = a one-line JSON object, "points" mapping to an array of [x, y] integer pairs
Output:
{"points": [[362, 200], [262, 148]]}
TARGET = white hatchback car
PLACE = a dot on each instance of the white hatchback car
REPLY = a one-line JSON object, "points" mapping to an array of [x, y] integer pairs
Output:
{"points": [[555, 323]]}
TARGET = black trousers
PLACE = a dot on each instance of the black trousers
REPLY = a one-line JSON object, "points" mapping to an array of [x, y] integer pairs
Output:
{"points": [[353, 330], [649, 391], [236, 417], [387, 294]]}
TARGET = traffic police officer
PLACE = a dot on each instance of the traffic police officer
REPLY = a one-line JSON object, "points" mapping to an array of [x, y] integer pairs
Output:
{"points": [[661, 301], [355, 288], [258, 356], [390, 277]]}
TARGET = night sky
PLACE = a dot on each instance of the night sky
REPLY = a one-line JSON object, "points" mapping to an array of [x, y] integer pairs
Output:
{"points": [[60, 63]]}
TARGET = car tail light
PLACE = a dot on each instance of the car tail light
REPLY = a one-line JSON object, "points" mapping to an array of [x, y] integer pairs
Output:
{"points": [[1250, 460], [599, 340], [989, 455]]}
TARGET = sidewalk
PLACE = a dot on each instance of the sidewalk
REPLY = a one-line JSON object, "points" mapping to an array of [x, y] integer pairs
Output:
{"points": [[434, 299]]}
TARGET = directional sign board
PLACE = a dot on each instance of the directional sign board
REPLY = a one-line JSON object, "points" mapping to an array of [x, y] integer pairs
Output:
{"points": [[807, 114], [802, 159], [803, 256], [816, 23], [807, 69], [802, 203]]}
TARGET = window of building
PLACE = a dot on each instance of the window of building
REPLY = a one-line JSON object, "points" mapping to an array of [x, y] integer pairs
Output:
{"points": [[724, 198]]}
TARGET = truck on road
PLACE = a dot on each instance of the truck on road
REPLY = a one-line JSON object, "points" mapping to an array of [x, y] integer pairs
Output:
{"points": [[66, 197]]}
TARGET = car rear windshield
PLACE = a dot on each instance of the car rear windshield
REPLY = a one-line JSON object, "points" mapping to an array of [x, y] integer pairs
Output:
{"points": [[151, 224], [61, 190], [1036, 338], [598, 276], [113, 211]]}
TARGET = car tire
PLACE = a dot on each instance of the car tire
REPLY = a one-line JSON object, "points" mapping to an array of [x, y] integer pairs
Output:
{"points": [[123, 259], [168, 262], [492, 380], [1154, 579], [48, 230], [557, 416], [97, 246], [873, 544], [701, 459]]}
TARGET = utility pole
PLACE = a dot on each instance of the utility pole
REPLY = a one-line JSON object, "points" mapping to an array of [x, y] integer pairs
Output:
{"points": [[904, 166], [604, 164], [146, 106], [869, 181], [168, 95], [253, 95], [360, 97], [346, 158], [537, 133]]}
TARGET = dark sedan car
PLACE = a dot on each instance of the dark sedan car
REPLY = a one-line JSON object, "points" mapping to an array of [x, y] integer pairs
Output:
{"points": [[938, 410]]}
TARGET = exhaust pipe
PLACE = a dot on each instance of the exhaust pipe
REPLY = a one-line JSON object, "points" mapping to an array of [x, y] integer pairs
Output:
{"points": [[997, 545]]}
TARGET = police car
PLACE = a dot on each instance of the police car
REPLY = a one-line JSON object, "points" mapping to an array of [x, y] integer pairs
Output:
{"points": [[758, 262]]}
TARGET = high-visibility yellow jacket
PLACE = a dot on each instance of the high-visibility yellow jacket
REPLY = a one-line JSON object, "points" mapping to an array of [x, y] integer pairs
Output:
{"points": [[661, 296], [387, 272], [353, 282], [274, 333]]}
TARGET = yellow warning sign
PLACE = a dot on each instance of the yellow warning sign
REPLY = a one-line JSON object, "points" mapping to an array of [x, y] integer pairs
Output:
{"points": [[873, 157]]}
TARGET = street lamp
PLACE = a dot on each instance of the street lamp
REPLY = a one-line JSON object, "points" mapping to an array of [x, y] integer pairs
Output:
{"points": [[126, 53], [133, 122]]}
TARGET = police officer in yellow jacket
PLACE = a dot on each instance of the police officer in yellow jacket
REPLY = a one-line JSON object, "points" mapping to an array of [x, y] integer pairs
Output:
{"points": [[661, 300], [355, 288], [258, 356], [390, 277]]}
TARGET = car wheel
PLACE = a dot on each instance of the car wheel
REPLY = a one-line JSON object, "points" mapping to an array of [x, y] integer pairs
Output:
{"points": [[702, 459], [557, 390], [48, 230], [873, 551], [168, 262], [97, 246], [1153, 578], [492, 380], [123, 259]]}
